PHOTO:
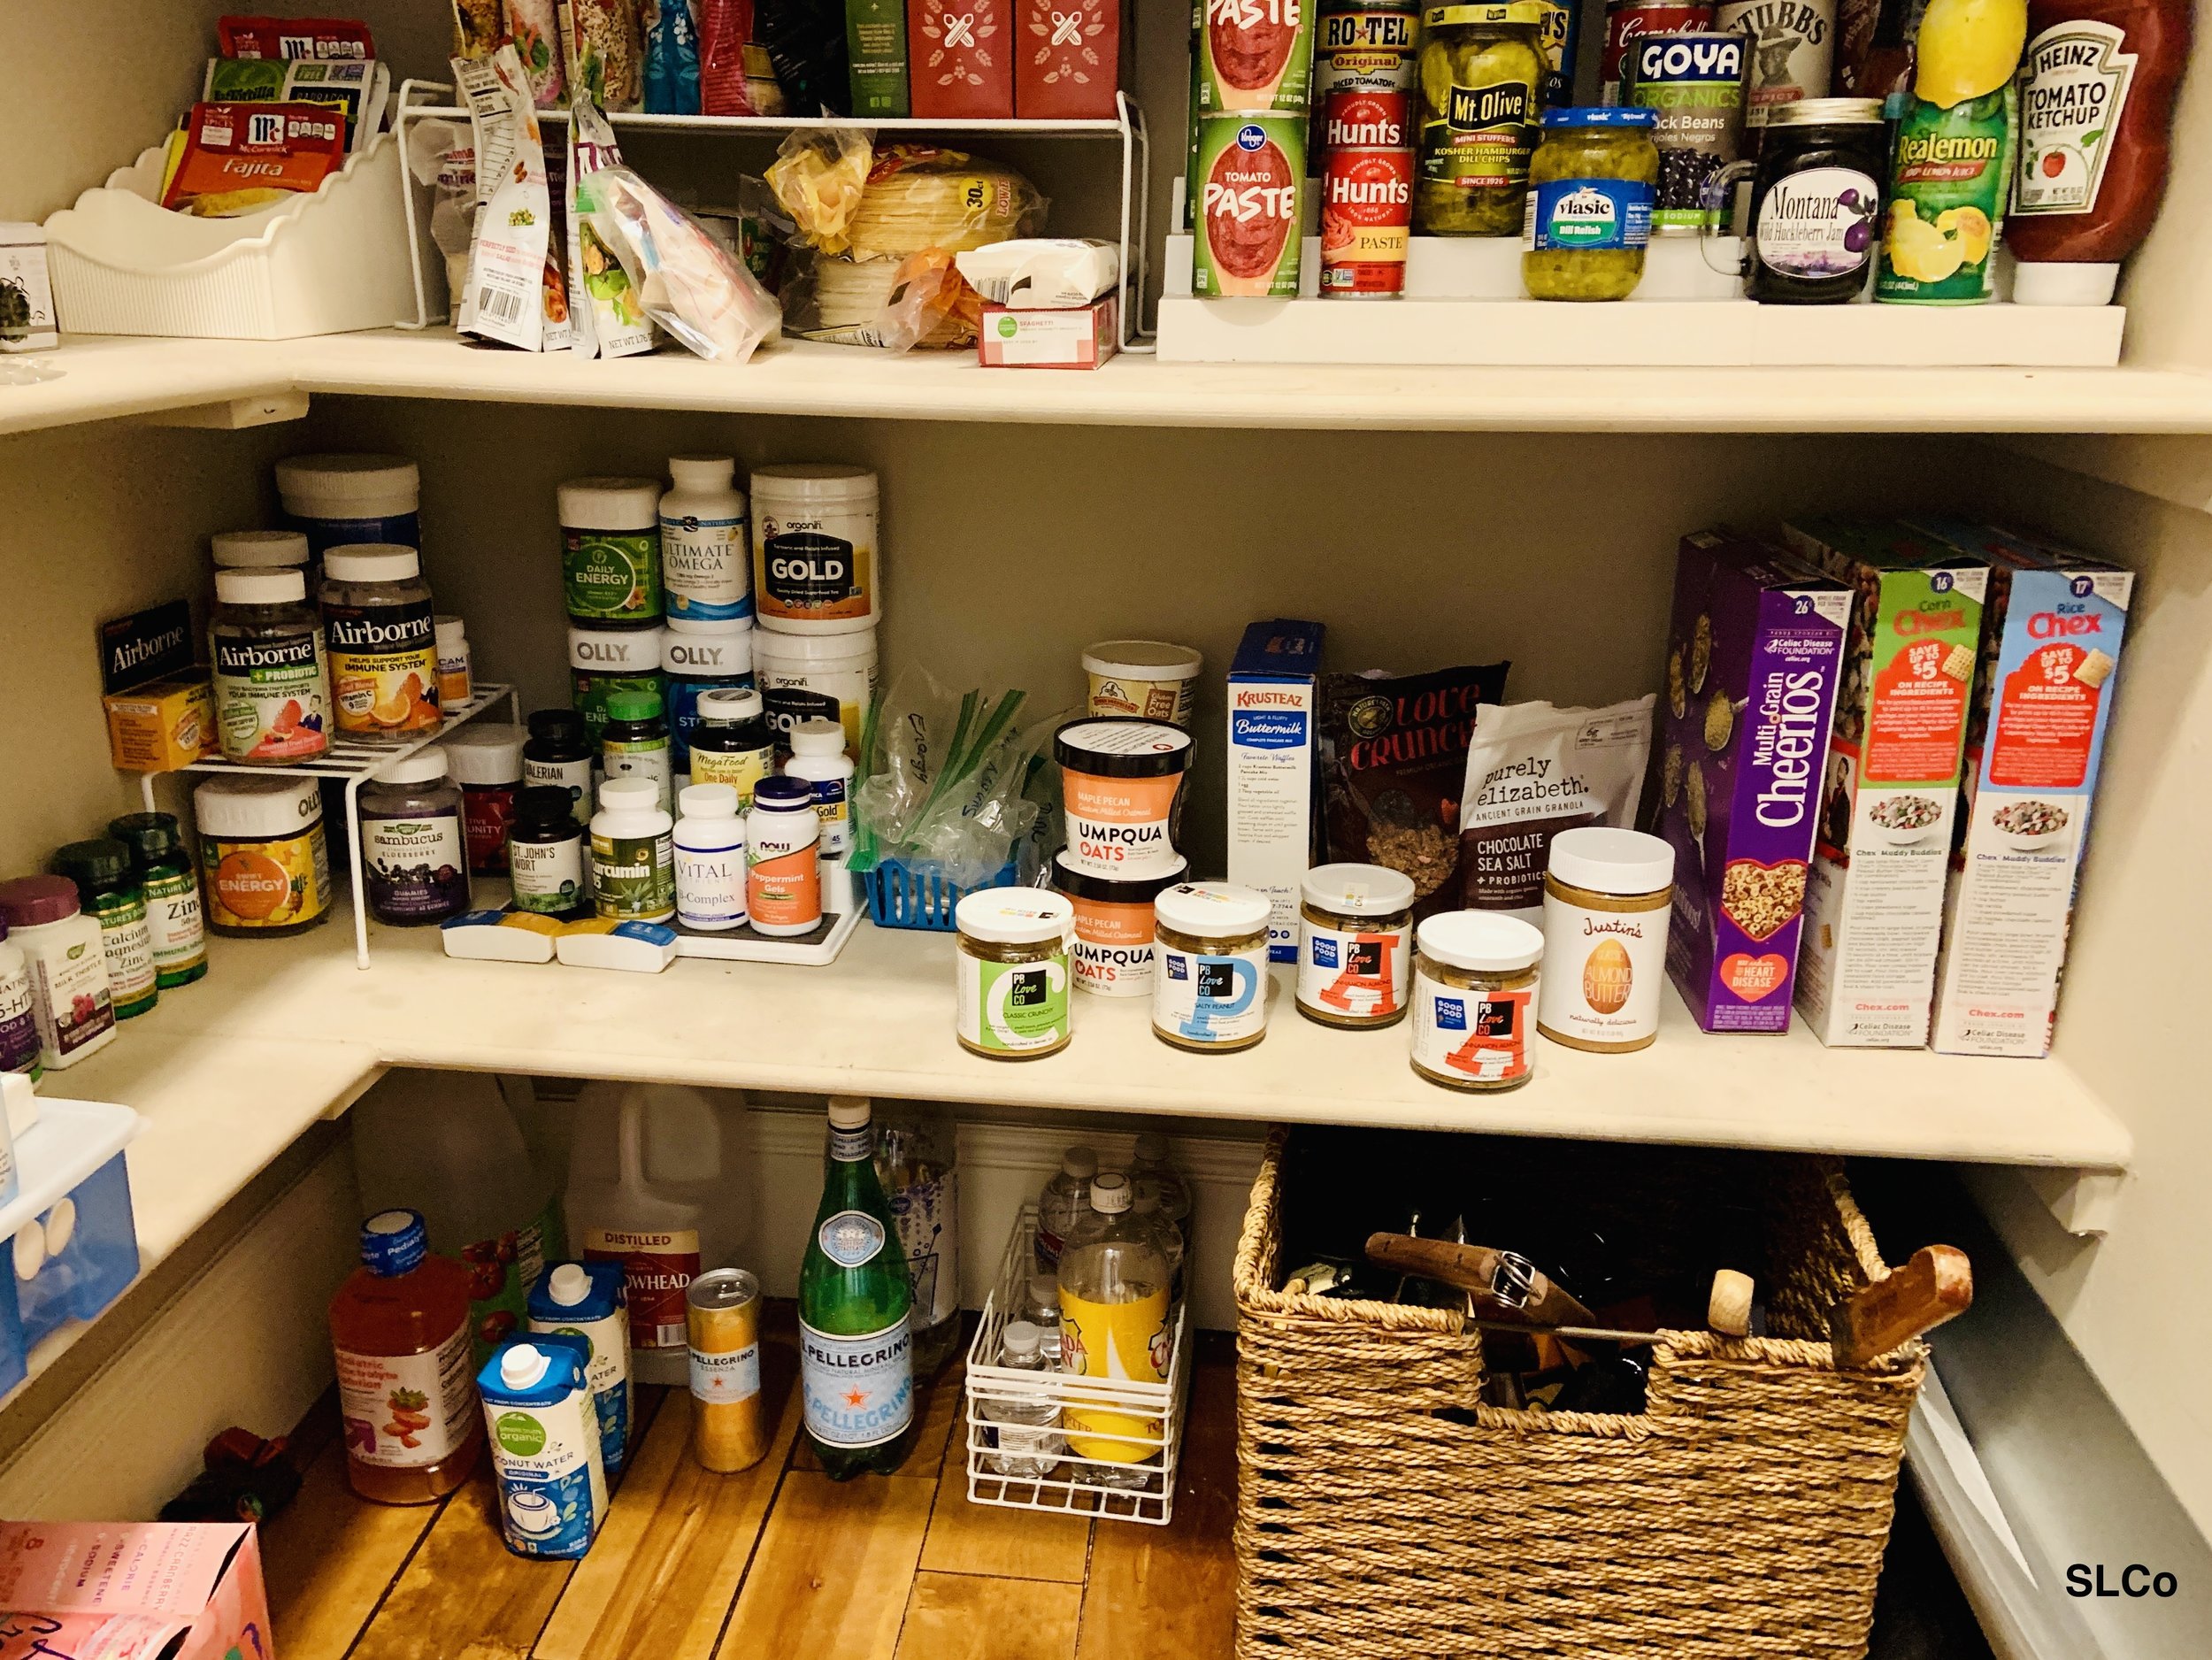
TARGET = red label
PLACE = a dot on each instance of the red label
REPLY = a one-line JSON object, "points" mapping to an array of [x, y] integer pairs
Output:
{"points": [[1251, 45], [656, 1271], [1367, 120], [1913, 728], [1250, 209], [1366, 206], [1624, 23], [1497, 1038], [487, 814], [2046, 718]]}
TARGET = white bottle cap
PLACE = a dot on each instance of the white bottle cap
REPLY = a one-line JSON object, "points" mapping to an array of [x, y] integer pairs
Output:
{"points": [[1079, 1162], [259, 588], [1044, 1289], [1110, 1193], [487, 753], [2053, 282], [609, 504], [702, 472], [418, 768], [372, 562], [707, 801], [818, 737], [451, 630], [1022, 1340], [523, 1365], [629, 795], [568, 1285], [258, 549], [851, 1112]]}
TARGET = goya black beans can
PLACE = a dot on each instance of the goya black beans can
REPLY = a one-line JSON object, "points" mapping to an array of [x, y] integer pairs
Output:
{"points": [[1695, 80]]}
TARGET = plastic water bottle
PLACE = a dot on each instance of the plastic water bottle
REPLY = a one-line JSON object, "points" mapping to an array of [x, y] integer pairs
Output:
{"points": [[1041, 1309], [1064, 1200], [1150, 1171], [1026, 1446], [1115, 1323]]}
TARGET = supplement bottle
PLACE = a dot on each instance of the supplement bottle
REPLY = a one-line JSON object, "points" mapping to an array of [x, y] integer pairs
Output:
{"points": [[706, 564], [172, 894], [18, 1024], [634, 742], [338, 500], [70, 1000], [545, 853], [108, 891], [604, 661], [457, 684], [414, 856], [258, 550], [811, 677], [817, 566], [709, 842], [817, 755], [633, 853], [486, 760], [611, 551], [383, 644], [699, 657], [783, 878], [264, 859], [399, 1326], [732, 743], [558, 754], [271, 688]]}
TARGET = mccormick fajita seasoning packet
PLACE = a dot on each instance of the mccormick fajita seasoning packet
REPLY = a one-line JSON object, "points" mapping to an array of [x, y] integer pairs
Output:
{"points": [[1874, 903], [1754, 654], [241, 157]]}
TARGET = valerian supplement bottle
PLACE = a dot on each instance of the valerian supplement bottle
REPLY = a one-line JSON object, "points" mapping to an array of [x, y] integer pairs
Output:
{"points": [[107, 889], [559, 755]]}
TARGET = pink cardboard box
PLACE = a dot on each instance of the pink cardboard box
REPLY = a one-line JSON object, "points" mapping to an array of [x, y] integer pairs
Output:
{"points": [[180, 1590]]}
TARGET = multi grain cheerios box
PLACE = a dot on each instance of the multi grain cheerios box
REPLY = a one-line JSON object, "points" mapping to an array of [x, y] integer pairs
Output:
{"points": [[1753, 655], [2051, 635], [1874, 893]]}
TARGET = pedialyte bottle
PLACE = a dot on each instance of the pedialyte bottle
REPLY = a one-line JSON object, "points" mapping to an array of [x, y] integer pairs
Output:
{"points": [[706, 564], [586, 1300], [545, 1445], [611, 551], [855, 1302]]}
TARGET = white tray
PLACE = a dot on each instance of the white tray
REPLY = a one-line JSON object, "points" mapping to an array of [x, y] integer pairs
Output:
{"points": [[323, 262]]}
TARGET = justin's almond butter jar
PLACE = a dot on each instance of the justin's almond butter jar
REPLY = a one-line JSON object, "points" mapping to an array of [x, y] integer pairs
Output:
{"points": [[266, 863], [1113, 926]]}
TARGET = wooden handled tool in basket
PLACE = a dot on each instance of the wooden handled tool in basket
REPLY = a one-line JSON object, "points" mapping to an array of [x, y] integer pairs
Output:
{"points": [[1937, 1285], [1505, 1286]]}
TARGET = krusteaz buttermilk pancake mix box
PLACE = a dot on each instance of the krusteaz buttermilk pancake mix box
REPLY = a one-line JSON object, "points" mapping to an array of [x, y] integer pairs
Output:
{"points": [[1753, 655], [2051, 635], [1274, 777], [1874, 897]]}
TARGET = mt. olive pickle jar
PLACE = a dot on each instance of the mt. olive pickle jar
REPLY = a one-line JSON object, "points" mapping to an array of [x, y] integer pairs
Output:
{"points": [[1209, 967], [1015, 968], [1591, 186], [1354, 945], [1474, 997], [1482, 70]]}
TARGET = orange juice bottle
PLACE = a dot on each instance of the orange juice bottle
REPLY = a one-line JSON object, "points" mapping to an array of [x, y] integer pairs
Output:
{"points": [[400, 1326]]}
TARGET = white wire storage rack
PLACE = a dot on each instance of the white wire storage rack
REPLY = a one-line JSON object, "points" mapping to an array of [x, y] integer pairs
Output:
{"points": [[422, 100], [1152, 1414], [352, 759]]}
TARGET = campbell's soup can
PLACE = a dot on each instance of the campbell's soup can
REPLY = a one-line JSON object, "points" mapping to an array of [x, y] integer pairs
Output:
{"points": [[1367, 120], [1250, 202], [1625, 23], [1366, 213], [1254, 55]]}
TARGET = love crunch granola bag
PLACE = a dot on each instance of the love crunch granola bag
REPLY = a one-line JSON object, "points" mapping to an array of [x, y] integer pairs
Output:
{"points": [[1394, 755]]}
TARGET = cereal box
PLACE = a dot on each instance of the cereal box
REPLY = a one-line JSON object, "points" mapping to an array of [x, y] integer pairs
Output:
{"points": [[2050, 634], [1754, 651], [1874, 895]]}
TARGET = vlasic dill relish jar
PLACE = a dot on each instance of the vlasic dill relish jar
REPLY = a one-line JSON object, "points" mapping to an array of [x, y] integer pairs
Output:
{"points": [[1591, 189]]}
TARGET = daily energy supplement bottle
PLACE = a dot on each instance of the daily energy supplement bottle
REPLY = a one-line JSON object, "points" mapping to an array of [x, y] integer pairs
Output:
{"points": [[855, 1302], [1114, 1285], [611, 551], [400, 1327], [172, 894], [107, 889]]}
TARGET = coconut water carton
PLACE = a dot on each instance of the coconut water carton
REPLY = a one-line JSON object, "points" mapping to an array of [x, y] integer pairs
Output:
{"points": [[545, 1444]]}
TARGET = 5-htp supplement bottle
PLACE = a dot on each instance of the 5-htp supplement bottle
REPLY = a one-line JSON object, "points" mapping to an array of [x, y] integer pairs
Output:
{"points": [[271, 686], [706, 560], [19, 1024], [108, 891], [172, 894], [382, 641], [710, 860]]}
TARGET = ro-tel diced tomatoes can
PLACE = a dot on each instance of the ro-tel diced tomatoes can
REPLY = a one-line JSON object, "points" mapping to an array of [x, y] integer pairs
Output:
{"points": [[1366, 193], [1250, 198], [1624, 22], [1360, 46], [1256, 56]]}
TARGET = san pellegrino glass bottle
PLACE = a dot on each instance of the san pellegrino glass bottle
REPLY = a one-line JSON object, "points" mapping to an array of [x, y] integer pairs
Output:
{"points": [[1114, 1324], [855, 1348]]}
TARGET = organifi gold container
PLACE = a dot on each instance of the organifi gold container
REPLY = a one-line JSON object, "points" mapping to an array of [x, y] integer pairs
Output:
{"points": [[1605, 898], [1474, 1000], [1354, 945], [1014, 972], [1209, 967]]}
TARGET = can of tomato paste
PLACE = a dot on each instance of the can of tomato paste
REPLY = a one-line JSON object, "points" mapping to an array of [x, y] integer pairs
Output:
{"points": [[1624, 22], [1256, 56], [1366, 213], [1367, 120], [1249, 203]]}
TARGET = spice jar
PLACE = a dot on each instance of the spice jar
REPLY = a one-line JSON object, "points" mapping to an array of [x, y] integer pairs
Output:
{"points": [[414, 857], [1209, 967], [1591, 187], [108, 891], [382, 641], [486, 760], [545, 852], [560, 756], [1014, 970], [1816, 204], [266, 863], [1113, 925], [1481, 74], [70, 1003], [1474, 994], [272, 689], [1354, 945], [1606, 897], [172, 894]]}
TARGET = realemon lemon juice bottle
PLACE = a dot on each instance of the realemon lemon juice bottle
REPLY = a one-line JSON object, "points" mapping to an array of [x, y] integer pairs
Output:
{"points": [[1952, 167]]}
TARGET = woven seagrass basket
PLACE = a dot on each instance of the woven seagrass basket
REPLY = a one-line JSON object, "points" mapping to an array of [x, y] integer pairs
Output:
{"points": [[1743, 1514]]}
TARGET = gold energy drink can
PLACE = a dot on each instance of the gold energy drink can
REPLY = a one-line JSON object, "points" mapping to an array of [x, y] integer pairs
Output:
{"points": [[729, 1431]]}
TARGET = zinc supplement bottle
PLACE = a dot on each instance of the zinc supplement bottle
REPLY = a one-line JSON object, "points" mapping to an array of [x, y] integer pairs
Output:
{"points": [[172, 887]]}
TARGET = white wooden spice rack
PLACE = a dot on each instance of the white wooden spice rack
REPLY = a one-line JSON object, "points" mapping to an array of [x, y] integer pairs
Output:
{"points": [[353, 759], [420, 100]]}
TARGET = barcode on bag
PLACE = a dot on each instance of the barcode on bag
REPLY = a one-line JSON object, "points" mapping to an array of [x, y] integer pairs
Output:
{"points": [[499, 307]]}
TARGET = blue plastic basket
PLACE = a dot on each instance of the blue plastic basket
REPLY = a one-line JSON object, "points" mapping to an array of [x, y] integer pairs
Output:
{"points": [[901, 896]]}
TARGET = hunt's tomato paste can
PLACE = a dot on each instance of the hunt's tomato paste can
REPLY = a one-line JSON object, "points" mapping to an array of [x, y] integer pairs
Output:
{"points": [[1366, 211], [1256, 56], [1624, 22], [1250, 203], [1367, 120]]}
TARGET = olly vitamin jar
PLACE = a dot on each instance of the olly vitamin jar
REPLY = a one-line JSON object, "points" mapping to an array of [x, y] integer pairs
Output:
{"points": [[264, 862], [1119, 783], [1113, 926]]}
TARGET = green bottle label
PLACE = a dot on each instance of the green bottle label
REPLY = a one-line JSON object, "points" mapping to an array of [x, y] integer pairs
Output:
{"points": [[1948, 180], [1013, 1007], [589, 692], [634, 878], [611, 576], [173, 919], [501, 1272]]}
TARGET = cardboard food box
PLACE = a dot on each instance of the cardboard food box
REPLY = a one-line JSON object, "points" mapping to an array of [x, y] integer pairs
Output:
{"points": [[962, 53], [1077, 339], [1874, 898], [1274, 697], [2050, 634], [134, 1590], [1067, 59], [1754, 656], [160, 705]]}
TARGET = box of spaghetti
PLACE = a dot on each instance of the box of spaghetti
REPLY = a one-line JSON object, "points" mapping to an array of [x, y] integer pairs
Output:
{"points": [[238, 157]]}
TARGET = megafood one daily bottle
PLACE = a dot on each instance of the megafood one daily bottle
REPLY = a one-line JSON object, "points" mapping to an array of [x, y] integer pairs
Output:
{"points": [[855, 1350], [1951, 169]]}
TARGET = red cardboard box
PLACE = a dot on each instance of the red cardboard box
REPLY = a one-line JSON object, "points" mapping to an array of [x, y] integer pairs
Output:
{"points": [[960, 60], [1078, 339], [1067, 59], [132, 1590]]}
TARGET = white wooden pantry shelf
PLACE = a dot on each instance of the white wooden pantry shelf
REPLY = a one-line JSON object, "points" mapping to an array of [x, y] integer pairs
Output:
{"points": [[245, 382]]}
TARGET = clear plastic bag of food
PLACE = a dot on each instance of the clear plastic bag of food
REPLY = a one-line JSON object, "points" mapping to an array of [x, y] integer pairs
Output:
{"points": [[817, 178], [897, 304], [918, 197]]}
